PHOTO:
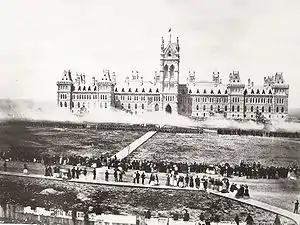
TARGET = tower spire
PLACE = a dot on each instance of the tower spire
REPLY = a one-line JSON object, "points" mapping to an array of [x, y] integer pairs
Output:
{"points": [[170, 34]]}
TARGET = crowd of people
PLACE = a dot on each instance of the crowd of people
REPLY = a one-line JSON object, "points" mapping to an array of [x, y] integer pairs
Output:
{"points": [[261, 133], [253, 170], [204, 219]]}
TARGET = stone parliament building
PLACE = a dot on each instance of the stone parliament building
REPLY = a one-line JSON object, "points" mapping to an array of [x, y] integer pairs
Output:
{"points": [[234, 100]]}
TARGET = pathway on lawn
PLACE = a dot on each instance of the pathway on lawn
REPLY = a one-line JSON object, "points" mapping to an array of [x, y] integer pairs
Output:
{"points": [[134, 145], [252, 202]]}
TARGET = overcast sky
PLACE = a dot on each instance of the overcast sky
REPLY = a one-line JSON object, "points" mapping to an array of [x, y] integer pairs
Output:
{"points": [[39, 39]]}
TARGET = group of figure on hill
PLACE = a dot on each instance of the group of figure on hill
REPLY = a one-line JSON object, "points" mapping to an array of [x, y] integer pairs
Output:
{"points": [[205, 219], [250, 170]]}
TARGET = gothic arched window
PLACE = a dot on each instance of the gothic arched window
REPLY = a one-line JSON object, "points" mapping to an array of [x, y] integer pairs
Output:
{"points": [[166, 71], [171, 71]]}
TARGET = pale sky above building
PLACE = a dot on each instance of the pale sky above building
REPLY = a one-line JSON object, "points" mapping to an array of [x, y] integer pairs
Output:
{"points": [[39, 39]]}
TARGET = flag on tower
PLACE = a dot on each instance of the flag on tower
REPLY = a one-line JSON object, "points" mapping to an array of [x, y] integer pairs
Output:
{"points": [[170, 30]]}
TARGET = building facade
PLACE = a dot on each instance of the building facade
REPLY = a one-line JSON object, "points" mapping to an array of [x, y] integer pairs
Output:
{"points": [[234, 100]]}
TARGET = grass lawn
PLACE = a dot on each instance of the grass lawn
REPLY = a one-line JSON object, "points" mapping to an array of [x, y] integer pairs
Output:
{"points": [[213, 148], [35, 141]]}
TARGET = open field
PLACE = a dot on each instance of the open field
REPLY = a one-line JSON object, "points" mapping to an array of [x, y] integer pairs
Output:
{"points": [[118, 200], [37, 141], [213, 148]]}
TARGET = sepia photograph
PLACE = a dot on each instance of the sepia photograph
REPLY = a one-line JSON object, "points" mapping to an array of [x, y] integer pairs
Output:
{"points": [[139, 112]]}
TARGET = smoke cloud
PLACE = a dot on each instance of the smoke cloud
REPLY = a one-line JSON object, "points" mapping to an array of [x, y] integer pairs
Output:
{"points": [[48, 111]]}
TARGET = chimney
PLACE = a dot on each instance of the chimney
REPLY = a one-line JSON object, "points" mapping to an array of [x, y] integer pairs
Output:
{"points": [[249, 82], [142, 80], [127, 80], [93, 78], [252, 84]]}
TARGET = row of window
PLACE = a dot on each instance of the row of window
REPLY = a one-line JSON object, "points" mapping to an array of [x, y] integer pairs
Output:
{"points": [[63, 87], [218, 100], [279, 100], [170, 98], [238, 109], [233, 115], [259, 100], [63, 96], [143, 98], [135, 106], [104, 97]]}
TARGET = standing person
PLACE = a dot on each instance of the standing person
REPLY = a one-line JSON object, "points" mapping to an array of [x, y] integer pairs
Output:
{"points": [[246, 193], [134, 177], [191, 182], [84, 173], [121, 175], [94, 174], [73, 172], [197, 182], [116, 175], [296, 208], [168, 180], [137, 177], [25, 170], [143, 176], [237, 219], [5, 166], [205, 184], [156, 179], [77, 173], [186, 216], [249, 220], [186, 179], [106, 175]]}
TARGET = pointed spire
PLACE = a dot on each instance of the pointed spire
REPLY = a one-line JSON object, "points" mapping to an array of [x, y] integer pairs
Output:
{"points": [[170, 34], [162, 43]]}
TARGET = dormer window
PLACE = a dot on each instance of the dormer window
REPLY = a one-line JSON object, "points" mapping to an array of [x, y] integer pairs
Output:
{"points": [[226, 92], [190, 91], [129, 90], [204, 92], [116, 90], [83, 88], [95, 88], [123, 90], [252, 91], [136, 90], [79, 88], [150, 91], [257, 92], [263, 92], [89, 88], [198, 91], [157, 91], [211, 91], [219, 92], [143, 90]]}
